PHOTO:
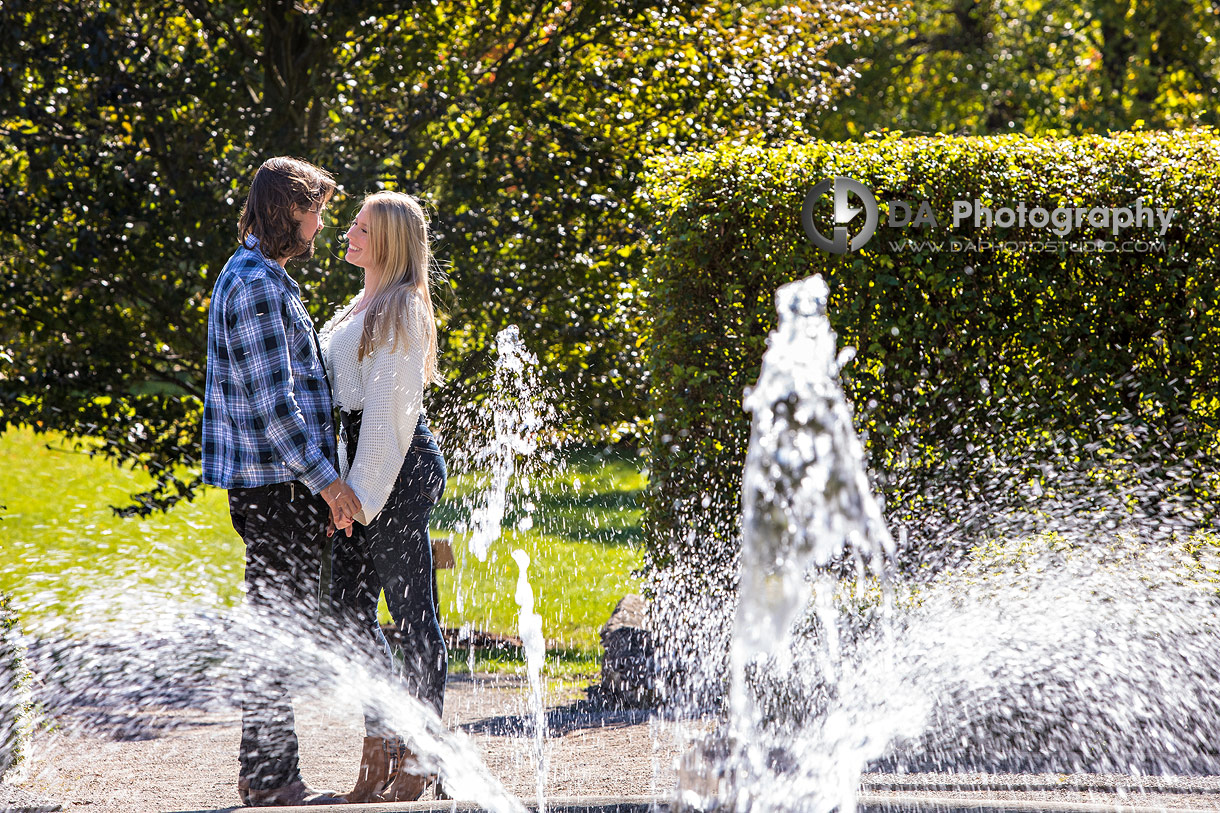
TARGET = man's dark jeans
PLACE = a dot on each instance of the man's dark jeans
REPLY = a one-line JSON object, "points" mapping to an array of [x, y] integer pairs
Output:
{"points": [[284, 528], [394, 552]]}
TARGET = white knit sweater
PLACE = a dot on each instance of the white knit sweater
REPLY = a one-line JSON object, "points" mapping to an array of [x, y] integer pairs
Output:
{"points": [[388, 385]]}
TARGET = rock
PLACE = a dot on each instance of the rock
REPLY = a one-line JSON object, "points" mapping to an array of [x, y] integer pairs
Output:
{"points": [[15, 800], [628, 668]]}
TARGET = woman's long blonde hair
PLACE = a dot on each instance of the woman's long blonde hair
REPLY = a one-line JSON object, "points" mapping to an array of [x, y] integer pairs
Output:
{"points": [[400, 248]]}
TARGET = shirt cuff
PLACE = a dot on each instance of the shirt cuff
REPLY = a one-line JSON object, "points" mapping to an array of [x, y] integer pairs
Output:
{"points": [[362, 515], [319, 476]]}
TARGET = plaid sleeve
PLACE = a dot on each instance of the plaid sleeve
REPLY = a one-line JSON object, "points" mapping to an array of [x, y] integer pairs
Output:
{"points": [[258, 346]]}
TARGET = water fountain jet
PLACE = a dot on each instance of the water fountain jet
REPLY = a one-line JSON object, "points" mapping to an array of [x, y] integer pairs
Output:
{"points": [[1077, 659]]}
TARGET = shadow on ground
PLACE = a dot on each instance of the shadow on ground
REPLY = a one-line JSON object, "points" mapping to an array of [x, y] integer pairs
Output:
{"points": [[578, 716]]}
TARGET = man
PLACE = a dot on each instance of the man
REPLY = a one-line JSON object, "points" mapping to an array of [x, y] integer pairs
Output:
{"points": [[268, 438]]}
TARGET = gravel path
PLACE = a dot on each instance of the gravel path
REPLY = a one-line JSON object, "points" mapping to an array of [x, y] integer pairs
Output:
{"points": [[172, 759], [161, 758]]}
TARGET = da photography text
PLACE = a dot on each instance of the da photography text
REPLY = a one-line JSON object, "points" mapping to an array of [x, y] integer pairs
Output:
{"points": [[1060, 221]]}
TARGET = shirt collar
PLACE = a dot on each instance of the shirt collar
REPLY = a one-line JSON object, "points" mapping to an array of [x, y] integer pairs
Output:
{"points": [[251, 243]]}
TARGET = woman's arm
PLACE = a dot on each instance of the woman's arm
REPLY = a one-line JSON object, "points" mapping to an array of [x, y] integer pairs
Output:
{"points": [[393, 398]]}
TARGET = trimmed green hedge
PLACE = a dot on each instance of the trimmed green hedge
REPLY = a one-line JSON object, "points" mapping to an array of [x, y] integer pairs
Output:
{"points": [[985, 379], [15, 703]]}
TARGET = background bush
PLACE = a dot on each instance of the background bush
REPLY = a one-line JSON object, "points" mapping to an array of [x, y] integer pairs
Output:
{"points": [[1068, 389], [16, 709]]}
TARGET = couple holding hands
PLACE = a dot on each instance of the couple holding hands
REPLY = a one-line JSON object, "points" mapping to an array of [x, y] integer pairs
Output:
{"points": [[269, 439]]}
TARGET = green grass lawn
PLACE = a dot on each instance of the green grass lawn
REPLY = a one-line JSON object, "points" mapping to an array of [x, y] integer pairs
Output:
{"points": [[70, 563]]}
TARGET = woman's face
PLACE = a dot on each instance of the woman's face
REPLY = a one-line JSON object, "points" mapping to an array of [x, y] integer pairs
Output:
{"points": [[358, 240]]}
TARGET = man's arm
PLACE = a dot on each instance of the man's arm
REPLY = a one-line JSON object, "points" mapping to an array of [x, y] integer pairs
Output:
{"points": [[258, 345]]}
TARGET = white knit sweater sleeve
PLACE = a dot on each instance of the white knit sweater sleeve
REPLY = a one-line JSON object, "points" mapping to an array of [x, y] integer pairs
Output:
{"points": [[393, 398]]}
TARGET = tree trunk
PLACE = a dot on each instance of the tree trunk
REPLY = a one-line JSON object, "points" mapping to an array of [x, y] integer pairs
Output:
{"points": [[289, 55]]}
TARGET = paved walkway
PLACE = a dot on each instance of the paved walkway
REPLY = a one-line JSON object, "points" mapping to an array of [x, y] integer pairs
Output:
{"points": [[175, 759], [158, 759]]}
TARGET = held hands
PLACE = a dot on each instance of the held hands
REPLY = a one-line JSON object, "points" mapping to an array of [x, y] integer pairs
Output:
{"points": [[344, 505]]}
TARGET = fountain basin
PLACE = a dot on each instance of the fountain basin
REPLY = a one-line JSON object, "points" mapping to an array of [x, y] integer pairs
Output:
{"points": [[558, 804], [914, 793]]}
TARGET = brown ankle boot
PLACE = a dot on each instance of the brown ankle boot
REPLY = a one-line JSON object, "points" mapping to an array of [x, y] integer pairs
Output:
{"points": [[407, 778], [374, 771]]}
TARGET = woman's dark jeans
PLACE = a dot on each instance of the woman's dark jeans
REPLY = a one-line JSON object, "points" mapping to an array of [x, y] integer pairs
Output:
{"points": [[394, 553]]}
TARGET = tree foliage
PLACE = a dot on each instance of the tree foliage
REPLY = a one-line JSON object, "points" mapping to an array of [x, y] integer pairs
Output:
{"points": [[1037, 67], [131, 127]]}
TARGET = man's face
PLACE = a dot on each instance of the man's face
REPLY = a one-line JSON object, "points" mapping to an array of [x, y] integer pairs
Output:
{"points": [[309, 223]]}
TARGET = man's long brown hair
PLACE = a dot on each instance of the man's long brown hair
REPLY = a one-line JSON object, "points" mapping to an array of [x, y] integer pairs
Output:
{"points": [[280, 186]]}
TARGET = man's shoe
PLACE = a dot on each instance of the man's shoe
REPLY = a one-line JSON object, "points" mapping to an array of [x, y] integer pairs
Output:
{"points": [[294, 793]]}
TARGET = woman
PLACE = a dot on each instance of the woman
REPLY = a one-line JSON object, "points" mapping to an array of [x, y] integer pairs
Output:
{"points": [[380, 351]]}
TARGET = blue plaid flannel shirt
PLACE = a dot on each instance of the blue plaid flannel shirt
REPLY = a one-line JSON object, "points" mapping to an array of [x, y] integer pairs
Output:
{"points": [[267, 414]]}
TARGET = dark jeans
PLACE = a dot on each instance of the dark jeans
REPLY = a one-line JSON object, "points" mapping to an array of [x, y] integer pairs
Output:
{"points": [[284, 528], [394, 553]]}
